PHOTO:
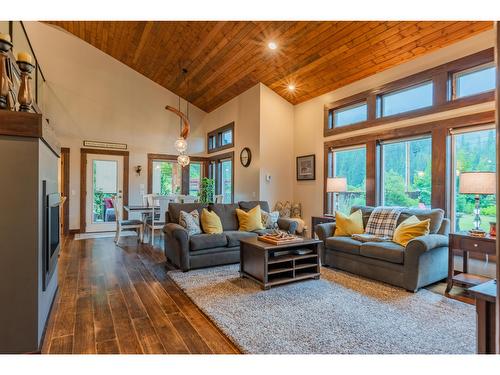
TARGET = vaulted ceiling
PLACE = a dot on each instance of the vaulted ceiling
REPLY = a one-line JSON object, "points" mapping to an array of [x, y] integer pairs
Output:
{"points": [[223, 59]]}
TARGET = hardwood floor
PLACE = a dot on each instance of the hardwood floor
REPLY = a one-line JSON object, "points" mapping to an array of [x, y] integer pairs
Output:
{"points": [[119, 299]]}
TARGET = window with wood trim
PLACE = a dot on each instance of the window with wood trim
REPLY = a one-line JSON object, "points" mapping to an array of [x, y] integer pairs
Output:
{"points": [[406, 173], [405, 100], [167, 177], [195, 176], [350, 163], [221, 138], [466, 81], [220, 168], [348, 115], [473, 81], [473, 150]]}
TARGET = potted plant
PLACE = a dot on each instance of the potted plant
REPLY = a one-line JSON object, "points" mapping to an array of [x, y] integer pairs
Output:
{"points": [[207, 190]]}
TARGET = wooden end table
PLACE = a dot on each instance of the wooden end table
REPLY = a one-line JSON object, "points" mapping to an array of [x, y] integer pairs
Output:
{"points": [[467, 244], [486, 295], [260, 262]]}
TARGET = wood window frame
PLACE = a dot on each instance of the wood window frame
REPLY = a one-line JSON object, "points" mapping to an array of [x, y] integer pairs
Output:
{"points": [[442, 101], [440, 133], [83, 180], [184, 170], [217, 159], [217, 133]]}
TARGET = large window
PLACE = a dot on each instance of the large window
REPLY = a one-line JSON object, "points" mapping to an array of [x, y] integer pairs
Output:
{"points": [[220, 169], [221, 138], [408, 99], [474, 81], [473, 151], [406, 173], [195, 175], [351, 164], [167, 177], [350, 115]]}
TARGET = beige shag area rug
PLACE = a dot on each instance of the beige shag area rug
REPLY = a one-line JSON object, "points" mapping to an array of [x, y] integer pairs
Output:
{"points": [[338, 314]]}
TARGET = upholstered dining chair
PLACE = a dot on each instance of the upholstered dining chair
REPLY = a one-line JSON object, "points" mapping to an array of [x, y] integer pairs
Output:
{"points": [[123, 225]]}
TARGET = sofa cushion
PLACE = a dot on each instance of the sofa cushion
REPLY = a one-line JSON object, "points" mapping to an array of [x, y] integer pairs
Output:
{"points": [[348, 225], [174, 210], [248, 205], [343, 244], [234, 237], [210, 222], [251, 220], [207, 241], [387, 251], [227, 215], [436, 216]]}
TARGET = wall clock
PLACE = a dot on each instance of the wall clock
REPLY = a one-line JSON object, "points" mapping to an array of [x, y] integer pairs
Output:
{"points": [[245, 157]]}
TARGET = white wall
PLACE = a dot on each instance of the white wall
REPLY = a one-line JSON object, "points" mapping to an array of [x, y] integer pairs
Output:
{"points": [[92, 96], [276, 147], [308, 116], [244, 110]]}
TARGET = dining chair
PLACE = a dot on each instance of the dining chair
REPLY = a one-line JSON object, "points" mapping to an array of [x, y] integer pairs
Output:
{"points": [[219, 198], [189, 199], [157, 220], [123, 225]]}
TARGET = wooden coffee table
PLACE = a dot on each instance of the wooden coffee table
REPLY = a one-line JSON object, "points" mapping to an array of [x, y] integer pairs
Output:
{"points": [[270, 265]]}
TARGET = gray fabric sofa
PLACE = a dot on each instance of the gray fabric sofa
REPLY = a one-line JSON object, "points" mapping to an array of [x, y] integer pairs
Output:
{"points": [[205, 250], [424, 260]]}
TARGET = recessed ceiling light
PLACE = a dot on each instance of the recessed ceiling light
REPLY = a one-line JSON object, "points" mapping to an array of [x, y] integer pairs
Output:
{"points": [[272, 45], [291, 87]]}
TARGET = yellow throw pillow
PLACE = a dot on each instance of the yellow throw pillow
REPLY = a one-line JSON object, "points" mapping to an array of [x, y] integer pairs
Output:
{"points": [[348, 225], [210, 222], [409, 229], [251, 220]]}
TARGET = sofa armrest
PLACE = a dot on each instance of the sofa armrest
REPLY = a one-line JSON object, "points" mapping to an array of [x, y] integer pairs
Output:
{"points": [[425, 243], [177, 245], [325, 230], [287, 225]]}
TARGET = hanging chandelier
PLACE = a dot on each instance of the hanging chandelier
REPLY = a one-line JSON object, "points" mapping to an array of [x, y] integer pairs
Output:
{"points": [[181, 142]]}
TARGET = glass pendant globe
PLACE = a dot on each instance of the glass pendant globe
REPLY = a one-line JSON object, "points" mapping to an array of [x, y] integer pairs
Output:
{"points": [[183, 160], [181, 145]]}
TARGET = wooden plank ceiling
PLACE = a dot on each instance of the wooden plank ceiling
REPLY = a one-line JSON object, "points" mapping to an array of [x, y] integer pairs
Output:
{"points": [[223, 59]]}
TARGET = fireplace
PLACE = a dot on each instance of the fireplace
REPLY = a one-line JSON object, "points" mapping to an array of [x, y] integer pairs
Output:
{"points": [[51, 233]]}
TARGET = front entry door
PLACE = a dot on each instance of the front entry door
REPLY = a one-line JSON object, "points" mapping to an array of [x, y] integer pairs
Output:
{"points": [[104, 180]]}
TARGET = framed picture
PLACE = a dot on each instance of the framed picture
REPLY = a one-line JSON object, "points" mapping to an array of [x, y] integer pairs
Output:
{"points": [[306, 167]]}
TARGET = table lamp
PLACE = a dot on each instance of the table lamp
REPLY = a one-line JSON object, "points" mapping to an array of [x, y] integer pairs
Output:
{"points": [[477, 183], [336, 185]]}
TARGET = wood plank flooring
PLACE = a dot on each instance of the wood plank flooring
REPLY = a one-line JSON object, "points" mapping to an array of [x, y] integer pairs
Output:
{"points": [[119, 299]]}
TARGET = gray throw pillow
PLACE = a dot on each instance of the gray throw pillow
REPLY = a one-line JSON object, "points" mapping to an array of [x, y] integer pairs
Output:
{"points": [[269, 219], [190, 221]]}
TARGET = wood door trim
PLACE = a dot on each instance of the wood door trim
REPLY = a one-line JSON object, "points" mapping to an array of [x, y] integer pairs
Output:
{"points": [[65, 171], [497, 117], [83, 180]]}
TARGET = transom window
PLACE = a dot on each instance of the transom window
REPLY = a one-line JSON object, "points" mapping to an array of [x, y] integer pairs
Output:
{"points": [[474, 81], [221, 138], [405, 100], [351, 114], [406, 173]]}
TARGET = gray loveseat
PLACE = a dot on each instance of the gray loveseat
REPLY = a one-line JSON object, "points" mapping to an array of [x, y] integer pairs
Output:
{"points": [[205, 250], [424, 260]]}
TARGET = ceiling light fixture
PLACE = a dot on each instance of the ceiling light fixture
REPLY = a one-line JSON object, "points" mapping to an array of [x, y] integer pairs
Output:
{"points": [[272, 45], [291, 87]]}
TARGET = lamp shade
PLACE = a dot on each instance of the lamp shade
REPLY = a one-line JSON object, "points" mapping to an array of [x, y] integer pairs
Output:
{"points": [[478, 183], [336, 185]]}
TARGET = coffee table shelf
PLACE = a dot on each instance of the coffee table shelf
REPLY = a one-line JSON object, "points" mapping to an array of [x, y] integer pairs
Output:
{"points": [[258, 262]]}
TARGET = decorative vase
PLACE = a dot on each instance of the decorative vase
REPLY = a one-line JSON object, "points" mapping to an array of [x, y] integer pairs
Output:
{"points": [[5, 47], [25, 97]]}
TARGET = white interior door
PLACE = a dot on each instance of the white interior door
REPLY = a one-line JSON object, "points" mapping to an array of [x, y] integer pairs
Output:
{"points": [[104, 180]]}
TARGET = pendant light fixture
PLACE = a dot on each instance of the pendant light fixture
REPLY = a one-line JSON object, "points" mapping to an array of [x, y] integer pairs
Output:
{"points": [[181, 143]]}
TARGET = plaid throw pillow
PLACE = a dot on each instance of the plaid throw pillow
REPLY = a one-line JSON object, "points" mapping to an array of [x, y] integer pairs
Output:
{"points": [[383, 221]]}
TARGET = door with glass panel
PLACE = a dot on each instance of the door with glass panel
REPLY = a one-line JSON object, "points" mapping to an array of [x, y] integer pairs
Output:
{"points": [[226, 181], [104, 181]]}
